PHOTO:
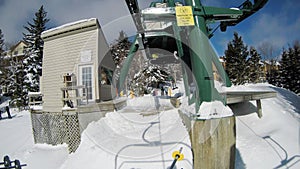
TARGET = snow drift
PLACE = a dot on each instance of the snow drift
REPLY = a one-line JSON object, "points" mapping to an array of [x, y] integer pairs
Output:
{"points": [[127, 139]]}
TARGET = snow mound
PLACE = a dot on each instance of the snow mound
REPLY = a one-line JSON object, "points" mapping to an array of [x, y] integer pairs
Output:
{"points": [[273, 140], [127, 139], [130, 140]]}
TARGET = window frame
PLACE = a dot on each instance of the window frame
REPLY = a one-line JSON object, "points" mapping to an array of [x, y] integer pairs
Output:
{"points": [[80, 81]]}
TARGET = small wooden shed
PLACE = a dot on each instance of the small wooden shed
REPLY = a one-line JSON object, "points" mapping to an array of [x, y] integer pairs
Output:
{"points": [[76, 54]]}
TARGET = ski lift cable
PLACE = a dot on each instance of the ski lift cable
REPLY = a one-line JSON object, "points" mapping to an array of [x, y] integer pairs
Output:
{"points": [[216, 28]]}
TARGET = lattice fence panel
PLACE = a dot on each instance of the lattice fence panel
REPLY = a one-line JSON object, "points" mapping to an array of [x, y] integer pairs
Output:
{"points": [[47, 128], [56, 128], [72, 131]]}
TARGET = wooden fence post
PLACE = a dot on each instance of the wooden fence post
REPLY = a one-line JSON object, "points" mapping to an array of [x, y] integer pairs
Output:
{"points": [[213, 143]]}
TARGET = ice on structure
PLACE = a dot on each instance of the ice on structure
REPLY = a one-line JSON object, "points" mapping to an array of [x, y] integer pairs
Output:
{"points": [[215, 109]]}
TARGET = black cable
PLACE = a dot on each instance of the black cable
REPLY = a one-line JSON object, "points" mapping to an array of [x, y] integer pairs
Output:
{"points": [[215, 29]]}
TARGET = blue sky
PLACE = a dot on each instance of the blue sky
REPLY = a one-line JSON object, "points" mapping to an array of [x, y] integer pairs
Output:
{"points": [[278, 22]]}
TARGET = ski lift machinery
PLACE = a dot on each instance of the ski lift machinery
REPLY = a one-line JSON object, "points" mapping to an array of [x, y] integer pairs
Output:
{"points": [[182, 29]]}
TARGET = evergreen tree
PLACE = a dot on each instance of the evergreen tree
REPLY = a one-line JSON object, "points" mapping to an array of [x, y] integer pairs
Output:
{"points": [[285, 68], [4, 64], [235, 59], [1, 43], [284, 64], [297, 67], [12, 78], [34, 51], [2, 61], [294, 69], [253, 65], [273, 74], [15, 83], [149, 76], [289, 68], [120, 48]]}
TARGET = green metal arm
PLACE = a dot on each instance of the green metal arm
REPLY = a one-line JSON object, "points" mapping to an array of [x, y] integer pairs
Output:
{"points": [[248, 9]]}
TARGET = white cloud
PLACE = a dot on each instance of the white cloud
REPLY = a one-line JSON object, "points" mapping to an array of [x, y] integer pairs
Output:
{"points": [[280, 26], [113, 16], [14, 14], [274, 29]]}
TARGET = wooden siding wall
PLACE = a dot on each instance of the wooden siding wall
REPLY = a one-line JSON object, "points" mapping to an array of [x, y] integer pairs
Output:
{"points": [[62, 55], [105, 57]]}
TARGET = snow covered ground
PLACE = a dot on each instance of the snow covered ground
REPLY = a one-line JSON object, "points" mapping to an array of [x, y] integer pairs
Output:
{"points": [[138, 137]]}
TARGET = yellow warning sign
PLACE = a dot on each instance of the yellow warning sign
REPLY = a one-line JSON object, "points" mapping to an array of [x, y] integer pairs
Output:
{"points": [[184, 16]]}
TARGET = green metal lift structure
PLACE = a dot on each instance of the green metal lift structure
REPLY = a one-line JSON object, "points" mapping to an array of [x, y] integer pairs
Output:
{"points": [[191, 41], [183, 27]]}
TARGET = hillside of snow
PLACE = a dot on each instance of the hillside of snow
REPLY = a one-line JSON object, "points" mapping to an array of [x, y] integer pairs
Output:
{"points": [[138, 137], [274, 140]]}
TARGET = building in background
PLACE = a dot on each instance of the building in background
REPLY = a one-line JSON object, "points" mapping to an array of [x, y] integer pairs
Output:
{"points": [[76, 54], [12, 59], [75, 85]]}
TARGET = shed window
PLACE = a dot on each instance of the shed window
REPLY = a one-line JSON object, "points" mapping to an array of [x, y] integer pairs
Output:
{"points": [[86, 79], [106, 76]]}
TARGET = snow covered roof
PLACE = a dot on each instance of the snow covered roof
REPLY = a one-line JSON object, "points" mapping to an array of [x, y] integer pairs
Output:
{"points": [[71, 27], [19, 44], [270, 62]]}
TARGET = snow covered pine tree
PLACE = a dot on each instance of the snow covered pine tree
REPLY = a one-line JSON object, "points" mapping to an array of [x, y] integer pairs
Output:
{"points": [[34, 51], [235, 60]]}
